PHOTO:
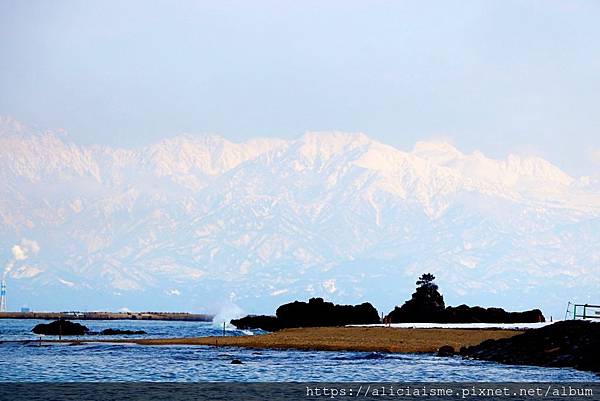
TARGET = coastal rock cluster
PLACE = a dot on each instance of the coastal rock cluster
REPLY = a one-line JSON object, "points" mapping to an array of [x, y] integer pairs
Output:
{"points": [[571, 343], [427, 306], [464, 314], [315, 313], [62, 327]]}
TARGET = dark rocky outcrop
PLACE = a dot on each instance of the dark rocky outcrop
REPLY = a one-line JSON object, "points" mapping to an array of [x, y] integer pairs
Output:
{"points": [[425, 301], [60, 327], [446, 350], [318, 313], [263, 322], [64, 327], [427, 306], [572, 343], [116, 332], [466, 314], [476, 314], [315, 313]]}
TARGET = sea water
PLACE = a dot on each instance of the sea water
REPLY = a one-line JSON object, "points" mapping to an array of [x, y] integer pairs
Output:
{"points": [[36, 361]]}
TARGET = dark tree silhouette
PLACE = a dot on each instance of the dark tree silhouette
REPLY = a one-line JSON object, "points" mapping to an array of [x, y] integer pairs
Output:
{"points": [[426, 298], [425, 302], [426, 280]]}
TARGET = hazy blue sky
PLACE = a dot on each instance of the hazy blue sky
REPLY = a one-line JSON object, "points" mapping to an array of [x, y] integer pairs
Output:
{"points": [[499, 76]]}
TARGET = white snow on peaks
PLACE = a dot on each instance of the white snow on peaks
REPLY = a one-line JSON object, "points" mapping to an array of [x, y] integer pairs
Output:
{"points": [[327, 213], [205, 154], [511, 172], [437, 152], [324, 145], [11, 127]]}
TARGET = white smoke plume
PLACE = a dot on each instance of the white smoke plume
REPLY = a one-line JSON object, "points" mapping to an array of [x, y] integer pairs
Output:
{"points": [[20, 252]]}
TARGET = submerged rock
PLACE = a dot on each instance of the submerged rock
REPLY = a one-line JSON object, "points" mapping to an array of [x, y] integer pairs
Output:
{"points": [[236, 362], [446, 350], [572, 343], [115, 332], [60, 327]]}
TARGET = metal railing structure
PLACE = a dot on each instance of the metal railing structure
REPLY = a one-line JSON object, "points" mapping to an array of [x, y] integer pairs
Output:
{"points": [[582, 311]]}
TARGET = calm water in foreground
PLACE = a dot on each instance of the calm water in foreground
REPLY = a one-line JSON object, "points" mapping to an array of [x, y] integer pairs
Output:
{"points": [[21, 361]]}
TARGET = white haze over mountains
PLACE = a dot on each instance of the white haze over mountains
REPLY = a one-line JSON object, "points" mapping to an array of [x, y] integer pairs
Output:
{"points": [[198, 222]]}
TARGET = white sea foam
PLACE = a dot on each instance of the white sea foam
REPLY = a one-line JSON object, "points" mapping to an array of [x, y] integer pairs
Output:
{"points": [[226, 313]]}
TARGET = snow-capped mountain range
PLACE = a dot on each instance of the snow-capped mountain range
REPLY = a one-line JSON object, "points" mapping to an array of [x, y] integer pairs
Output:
{"points": [[197, 221]]}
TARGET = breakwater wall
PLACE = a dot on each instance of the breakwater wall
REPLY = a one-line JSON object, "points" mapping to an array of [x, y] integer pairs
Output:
{"points": [[179, 316]]}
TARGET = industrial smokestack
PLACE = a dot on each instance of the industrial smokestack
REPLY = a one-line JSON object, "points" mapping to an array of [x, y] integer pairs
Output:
{"points": [[3, 296], [20, 252]]}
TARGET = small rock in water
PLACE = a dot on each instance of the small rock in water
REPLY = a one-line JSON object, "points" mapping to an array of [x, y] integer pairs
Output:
{"points": [[236, 362], [445, 350], [374, 355], [60, 327], [114, 332]]}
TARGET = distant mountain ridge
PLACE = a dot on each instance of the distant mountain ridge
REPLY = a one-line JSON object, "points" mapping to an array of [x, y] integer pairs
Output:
{"points": [[196, 221]]}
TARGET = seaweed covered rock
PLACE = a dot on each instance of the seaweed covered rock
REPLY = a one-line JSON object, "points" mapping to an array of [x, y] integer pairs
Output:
{"points": [[60, 327], [314, 313], [571, 343]]}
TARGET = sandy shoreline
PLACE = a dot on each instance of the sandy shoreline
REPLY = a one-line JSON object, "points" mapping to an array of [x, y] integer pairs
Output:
{"points": [[382, 339]]}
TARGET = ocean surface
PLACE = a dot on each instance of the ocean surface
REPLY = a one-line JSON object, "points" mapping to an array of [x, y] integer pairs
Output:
{"points": [[42, 361]]}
